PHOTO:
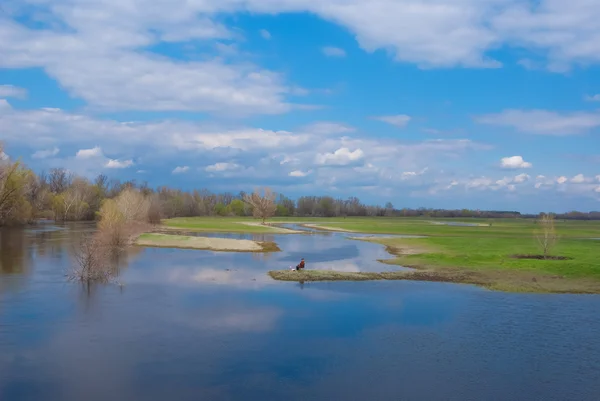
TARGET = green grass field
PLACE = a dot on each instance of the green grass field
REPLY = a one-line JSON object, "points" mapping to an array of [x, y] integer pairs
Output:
{"points": [[218, 224], [483, 252]]}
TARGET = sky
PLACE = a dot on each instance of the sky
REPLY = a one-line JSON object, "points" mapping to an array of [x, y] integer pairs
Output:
{"points": [[488, 104]]}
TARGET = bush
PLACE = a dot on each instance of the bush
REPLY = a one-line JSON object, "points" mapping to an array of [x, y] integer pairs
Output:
{"points": [[92, 261]]}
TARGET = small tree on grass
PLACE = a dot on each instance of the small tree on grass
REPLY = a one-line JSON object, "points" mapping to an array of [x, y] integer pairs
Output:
{"points": [[263, 206], [546, 234]]}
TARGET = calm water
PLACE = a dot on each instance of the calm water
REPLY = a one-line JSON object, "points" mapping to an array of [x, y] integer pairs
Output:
{"points": [[191, 325]]}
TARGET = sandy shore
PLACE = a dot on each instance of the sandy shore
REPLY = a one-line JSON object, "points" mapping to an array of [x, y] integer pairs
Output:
{"points": [[204, 243]]}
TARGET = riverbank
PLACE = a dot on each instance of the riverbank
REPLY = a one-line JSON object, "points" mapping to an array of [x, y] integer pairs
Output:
{"points": [[487, 262], [225, 225], [205, 243], [525, 283], [476, 251]]}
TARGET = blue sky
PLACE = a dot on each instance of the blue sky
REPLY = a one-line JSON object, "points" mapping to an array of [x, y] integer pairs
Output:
{"points": [[466, 103]]}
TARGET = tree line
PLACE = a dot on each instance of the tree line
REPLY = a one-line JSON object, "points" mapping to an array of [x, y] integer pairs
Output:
{"points": [[64, 196]]}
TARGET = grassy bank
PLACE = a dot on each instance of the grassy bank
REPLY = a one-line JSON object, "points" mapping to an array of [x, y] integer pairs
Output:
{"points": [[509, 228], [520, 282], [224, 224], [381, 225], [204, 243], [491, 262]]}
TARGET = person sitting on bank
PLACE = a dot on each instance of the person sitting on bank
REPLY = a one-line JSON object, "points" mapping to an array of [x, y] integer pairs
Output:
{"points": [[300, 265]]}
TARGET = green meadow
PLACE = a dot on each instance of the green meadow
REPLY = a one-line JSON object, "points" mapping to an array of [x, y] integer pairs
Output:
{"points": [[483, 254]]}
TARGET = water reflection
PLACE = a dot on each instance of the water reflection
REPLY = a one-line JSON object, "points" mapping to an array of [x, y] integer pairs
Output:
{"points": [[197, 322], [15, 257]]}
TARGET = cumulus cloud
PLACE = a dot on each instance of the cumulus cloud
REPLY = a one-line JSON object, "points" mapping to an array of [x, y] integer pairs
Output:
{"points": [[578, 179], [514, 162], [348, 162], [331, 51], [299, 173], [82, 59], [341, 157], [218, 167], [593, 98], [180, 169], [543, 122], [399, 120], [411, 174], [12, 91], [113, 163], [43, 154], [561, 179], [521, 178], [79, 45], [96, 151]]}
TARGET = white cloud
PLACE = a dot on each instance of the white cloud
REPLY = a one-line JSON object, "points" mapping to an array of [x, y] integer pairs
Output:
{"points": [[79, 44], [42, 154], [82, 60], [265, 34], [593, 98], [399, 120], [514, 162], [598, 178], [113, 163], [218, 167], [411, 174], [89, 153], [597, 189], [578, 179], [521, 178], [479, 183], [543, 122], [561, 179], [380, 159], [299, 173], [12, 91], [180, 169], [331, 51], [4, 157], [341, 157]]}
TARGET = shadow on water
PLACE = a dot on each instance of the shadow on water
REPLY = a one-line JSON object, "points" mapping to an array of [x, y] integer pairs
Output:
{"points": [[198, 324], [15, 255]]}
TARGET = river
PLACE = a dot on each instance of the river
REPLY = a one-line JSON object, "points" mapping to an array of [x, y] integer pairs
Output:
{"points": [[190, 325]]}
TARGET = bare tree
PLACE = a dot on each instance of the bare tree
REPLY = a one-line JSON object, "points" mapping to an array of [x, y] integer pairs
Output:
{"points": [[546, 234], [59, 180], [133, 205], [263, 206], [91, 261]]}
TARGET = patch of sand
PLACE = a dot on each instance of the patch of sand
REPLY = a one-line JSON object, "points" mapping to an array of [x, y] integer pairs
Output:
{"points": [[204, 243]]}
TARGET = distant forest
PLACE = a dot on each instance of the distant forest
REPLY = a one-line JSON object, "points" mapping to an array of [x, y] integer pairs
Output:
{"points": [[61, 195]]}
